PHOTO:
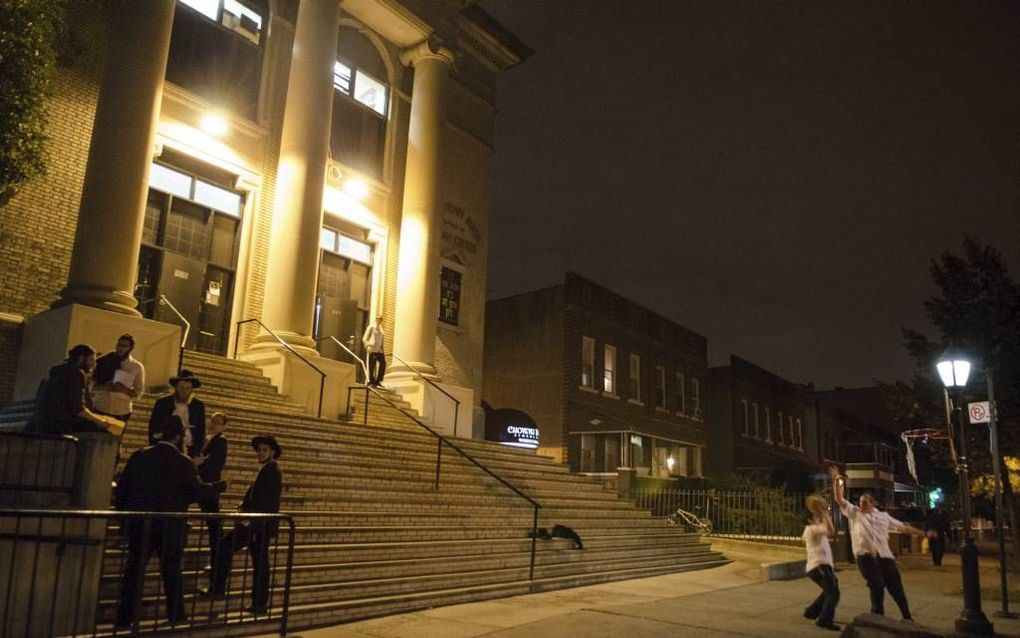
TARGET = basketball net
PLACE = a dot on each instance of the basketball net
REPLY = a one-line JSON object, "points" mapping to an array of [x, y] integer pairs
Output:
{"points": [[927, 434]]}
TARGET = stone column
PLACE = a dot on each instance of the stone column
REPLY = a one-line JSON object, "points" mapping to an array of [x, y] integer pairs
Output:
{"points": [[420, 227], [104, 260], [304, 149]]}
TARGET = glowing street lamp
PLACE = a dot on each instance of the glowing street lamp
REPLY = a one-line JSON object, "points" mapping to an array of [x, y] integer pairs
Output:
{"points": [[954, 371]]}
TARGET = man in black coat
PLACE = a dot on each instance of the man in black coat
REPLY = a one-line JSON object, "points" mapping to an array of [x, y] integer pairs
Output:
{"points": [[936, 527], [263, 496], [187, 406], [210, 465], [158, 478]]}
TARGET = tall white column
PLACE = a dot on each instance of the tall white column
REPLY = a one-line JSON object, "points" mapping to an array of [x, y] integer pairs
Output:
{"points": [[420, 227], [304, 149], [104, 260]]}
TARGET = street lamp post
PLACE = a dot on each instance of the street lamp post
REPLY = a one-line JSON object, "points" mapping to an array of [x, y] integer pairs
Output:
{"points": [[972, 621]]}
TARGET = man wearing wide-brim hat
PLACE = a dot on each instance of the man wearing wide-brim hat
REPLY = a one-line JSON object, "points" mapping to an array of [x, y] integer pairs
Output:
{"points": [[263, 497], [184, 404]]}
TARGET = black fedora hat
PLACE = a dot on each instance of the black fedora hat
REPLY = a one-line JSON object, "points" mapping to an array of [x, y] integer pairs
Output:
{"points": [[186, 375], [263, 439]]}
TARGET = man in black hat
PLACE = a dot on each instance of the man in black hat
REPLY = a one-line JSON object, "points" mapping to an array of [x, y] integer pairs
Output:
{"points": [[62, 404], [158, 479], [184, 404], [264, 497]]}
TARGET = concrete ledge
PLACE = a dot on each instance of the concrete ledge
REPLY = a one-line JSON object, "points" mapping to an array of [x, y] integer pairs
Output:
{"points": [[775, 562], [875, 626]]}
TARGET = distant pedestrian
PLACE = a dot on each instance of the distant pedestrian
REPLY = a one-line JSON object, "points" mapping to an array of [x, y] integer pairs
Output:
{"points": [[118, 380], [820, 568], [210, 463], [158, 478], [62, 405], [869, 535], [184, 404], [374, 340], [262, 497], [936, 527]]}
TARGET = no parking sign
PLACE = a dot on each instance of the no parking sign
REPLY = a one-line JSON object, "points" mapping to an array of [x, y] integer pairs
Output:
{"points": [[979, 412]]}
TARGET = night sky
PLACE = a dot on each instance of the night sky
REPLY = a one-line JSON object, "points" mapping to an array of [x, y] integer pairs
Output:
{"points": [[773, 175]]}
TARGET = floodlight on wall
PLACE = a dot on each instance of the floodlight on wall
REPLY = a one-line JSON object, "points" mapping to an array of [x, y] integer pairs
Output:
{"points": [[214, 124], [356, 189]]}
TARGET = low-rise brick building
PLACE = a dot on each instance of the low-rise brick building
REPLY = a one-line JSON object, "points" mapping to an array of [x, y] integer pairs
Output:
{"points": [[609, 383]]}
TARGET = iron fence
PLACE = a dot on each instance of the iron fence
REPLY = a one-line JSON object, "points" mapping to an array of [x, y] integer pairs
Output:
{"points": [[39, 462], [767, 515], [89, 573]]}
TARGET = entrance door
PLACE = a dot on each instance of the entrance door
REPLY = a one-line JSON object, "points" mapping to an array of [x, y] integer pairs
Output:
{"points": [[344, 294], [189, 255]]}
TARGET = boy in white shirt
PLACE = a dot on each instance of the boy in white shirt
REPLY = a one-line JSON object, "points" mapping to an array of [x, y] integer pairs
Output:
{"points": [[819, 566], [119, 379]]}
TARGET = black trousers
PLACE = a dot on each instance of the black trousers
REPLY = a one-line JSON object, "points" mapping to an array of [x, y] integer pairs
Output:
{"points": [[257, 541], [824, 607], [165, 538], [938, 548], [881, 574], [376, 367], [211, 505]]}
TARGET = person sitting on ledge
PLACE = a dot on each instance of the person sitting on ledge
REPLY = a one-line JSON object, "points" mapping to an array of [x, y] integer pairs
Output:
{"points": [[62, 403]]}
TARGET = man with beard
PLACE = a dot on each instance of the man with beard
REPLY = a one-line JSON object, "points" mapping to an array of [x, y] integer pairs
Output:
{"points": [[184, 404], [62, 403], [118, 380]]}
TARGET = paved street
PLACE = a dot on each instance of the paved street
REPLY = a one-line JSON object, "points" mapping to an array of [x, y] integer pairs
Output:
{"points": [[724, 602]]}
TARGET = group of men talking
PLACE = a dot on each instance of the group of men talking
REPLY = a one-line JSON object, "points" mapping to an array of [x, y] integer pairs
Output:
{"points": [[183, 464]]}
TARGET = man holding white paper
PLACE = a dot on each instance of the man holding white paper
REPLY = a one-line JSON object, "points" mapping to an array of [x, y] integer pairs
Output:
{"points": [[118, 380]]}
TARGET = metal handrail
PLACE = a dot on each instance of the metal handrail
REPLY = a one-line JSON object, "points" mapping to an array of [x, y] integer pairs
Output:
{"points": [[441, 440], [456, 403], [66, 538], [322, 375], [187, 330], [349, 351]]}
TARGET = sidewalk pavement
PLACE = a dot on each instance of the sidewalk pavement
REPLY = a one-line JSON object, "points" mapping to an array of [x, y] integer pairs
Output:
{"points": [[724, 602]]}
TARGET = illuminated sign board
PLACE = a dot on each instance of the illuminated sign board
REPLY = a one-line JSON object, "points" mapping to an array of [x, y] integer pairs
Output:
{"points": [[511, 427]]}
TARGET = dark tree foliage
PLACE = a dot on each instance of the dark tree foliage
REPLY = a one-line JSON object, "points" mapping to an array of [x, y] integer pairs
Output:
{"points": [[976, 311], [29, 35]]}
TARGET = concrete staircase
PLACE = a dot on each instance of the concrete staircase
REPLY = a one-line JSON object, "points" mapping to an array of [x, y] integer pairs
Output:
{"points": [[373, 537]]}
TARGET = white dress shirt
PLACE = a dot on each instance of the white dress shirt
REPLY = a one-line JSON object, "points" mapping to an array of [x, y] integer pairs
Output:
{"points": [[869, 533], [374, 338], [816, 540], [132, 375]]}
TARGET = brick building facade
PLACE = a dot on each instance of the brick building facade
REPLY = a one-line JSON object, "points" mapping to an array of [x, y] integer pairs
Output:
{"points": [[609, 383]]}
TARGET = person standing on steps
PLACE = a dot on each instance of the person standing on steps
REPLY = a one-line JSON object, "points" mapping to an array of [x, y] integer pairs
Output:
{"points": [[262, 497], [820, 568], [210, 463], [869, 536], [184, 404], [158, 478], [374, 341], [119, 379]]}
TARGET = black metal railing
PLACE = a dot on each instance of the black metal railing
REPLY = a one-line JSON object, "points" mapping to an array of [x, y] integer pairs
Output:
{"points": [[39, 462], [322, 375], [83, 573], [768, 515], [440, 442], [456, 403]]}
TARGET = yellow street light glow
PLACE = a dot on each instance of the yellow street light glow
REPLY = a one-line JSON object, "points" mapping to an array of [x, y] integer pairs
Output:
{"points": [[670, 462], [356, 189], [214, 124]]}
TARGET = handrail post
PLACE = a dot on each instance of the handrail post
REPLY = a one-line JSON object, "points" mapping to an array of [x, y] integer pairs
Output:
{"points": [[534, 535], [365, 416], [287, 577], [456, 416], [322, 390], [439, 460]]}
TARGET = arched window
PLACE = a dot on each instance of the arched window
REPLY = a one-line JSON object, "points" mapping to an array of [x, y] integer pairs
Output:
{"points": [[216, 51], [361, 99]]}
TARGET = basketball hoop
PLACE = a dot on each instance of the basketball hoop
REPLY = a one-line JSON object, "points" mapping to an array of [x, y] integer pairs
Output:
{"points": [[909, 437]]}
